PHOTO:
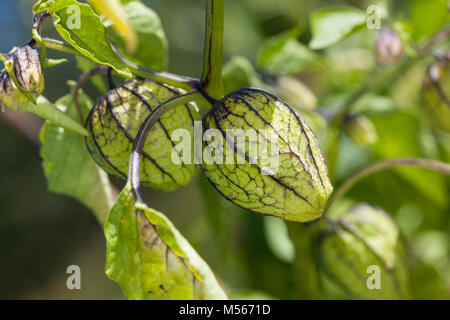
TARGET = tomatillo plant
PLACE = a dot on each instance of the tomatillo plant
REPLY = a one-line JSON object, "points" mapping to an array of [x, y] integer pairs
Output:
{"points": [[259, 152]]}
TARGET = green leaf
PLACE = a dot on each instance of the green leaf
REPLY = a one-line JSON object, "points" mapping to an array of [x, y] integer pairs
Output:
{"points": [[42, 5], [427, 17], [333, 24], [86, 33], [48, 111], [393, 142], [285, 55], [239, 73], [69, 168], [150, 259], [152, 50]]}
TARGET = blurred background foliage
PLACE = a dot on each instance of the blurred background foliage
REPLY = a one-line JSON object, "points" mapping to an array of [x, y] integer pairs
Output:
{"points": [[42, 233]]}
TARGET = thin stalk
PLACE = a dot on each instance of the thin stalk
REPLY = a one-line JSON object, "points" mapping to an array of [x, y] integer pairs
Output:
{"points": [[170, 79], [141, 137], [85, 77], [138, 71], [60, 46], [211, 80], [37, 25], [165, 77], [384, 165]]}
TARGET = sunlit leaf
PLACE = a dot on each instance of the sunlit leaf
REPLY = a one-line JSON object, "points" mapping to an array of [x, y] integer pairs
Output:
{"points": [[333, 24], [81, 27], [284, 55], [48, 111], [42, 5], [150, 259]]}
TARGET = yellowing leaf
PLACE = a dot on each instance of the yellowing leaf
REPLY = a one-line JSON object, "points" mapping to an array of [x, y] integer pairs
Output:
{"points": [[114, 11]]}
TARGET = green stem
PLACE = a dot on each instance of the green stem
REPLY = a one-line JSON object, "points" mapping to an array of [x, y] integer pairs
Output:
{"points": [[37, 34], [141, 137], [60, 46], [383, 165], [302, 236], [211, 80], [139, 71], [170, 79], [85, 77]]}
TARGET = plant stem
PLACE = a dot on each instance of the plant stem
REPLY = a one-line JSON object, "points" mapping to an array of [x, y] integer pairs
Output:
{"points": [[302, 236], [170, 79], [60, 46], [85, 77], [211, 80], [139, 71], [37, 24], [383, 165], [141, 137]]}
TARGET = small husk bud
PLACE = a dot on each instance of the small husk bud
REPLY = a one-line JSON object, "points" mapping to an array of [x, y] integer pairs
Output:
{"points": [[27, 68], [360, 129], [436, 94], [388, 47], [7, 93], [115, 121], [266, 159], [364, 255]]}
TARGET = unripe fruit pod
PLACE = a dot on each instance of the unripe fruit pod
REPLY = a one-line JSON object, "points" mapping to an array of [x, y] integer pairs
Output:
{"points": [[27, 68], [436, 94], [363, 253], [115, 121], [285, 175], [360, 129], [7, 92], [388, 47]]}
